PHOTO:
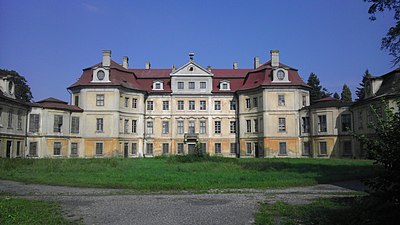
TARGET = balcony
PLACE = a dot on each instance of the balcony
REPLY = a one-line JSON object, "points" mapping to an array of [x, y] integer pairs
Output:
{"points": [[191, 137]]}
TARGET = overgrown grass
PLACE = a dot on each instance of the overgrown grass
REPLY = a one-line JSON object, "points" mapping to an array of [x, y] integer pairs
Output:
{"points": [[173, 174], [23, 211]]}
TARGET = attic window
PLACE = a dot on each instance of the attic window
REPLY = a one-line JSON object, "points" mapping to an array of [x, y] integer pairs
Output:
{"points": [[224, 85], [191, 68], [158, 85]]}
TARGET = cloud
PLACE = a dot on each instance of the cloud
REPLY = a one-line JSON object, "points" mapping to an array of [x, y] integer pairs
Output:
{"points": [[90, 7]]}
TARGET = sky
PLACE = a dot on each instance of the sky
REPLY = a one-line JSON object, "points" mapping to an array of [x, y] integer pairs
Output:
{"points": [[50, 42]]}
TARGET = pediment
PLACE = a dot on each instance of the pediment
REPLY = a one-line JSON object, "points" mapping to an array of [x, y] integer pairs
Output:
{"points": [[192, 69]]}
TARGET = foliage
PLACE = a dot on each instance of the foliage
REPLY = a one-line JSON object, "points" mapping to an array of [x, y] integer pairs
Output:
{"points": [[317, 91], [346, 94], [360, 90], [336, 95], [391, 41], [22, 89]]}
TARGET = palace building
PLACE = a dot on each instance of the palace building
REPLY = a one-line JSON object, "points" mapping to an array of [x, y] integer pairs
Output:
{"points": [[115, 110]]}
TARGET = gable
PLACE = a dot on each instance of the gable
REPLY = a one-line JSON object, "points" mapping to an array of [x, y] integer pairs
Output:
{"points": [[191, 69]]}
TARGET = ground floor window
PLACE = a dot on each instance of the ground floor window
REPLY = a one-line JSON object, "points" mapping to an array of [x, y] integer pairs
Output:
{"points": [[203, 147], [149, 149], [57, 148], [306, 148], [18, 148], [248, 148], [233, 148], [179, 148], [282, 148], [322, 148], [99, 148], [217, 148], [347, 148], [134, 149], [33, 149], [165, 148], [74, 149]]}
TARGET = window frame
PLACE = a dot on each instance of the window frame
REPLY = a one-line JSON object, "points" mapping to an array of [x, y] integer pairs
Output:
{"points": [[99, 125], [217, 127], [281, 124], [217, 105], [100, 100]]}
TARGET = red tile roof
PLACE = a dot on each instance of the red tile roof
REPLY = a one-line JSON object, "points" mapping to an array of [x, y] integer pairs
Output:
{"points": [[53, 103]]}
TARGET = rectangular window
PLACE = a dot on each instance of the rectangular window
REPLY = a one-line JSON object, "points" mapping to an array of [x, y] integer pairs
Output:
{"points": [[322, 123], [99, 100], [192, 105], [157, 86], [180, 127], [360, 120], [165, 148], [99, 148], [18, 149], [10, 118], [74, 149], [233, 148], [282, 125], [75, 125], [346, 122], [305, 124], [165, 105], [203, 85], [126, 126], [347, 148], [203, 147], [322, 148], [304, 100], [281, 100], [217, 127], [180, 148], [57, 148], [126, 103], [248, 126], [33, 149], [34, 122], [232, 105], [202, 127], [58, 122], [191, 85], [99, 125], [19, 121], [306, 148], [181, 85], [192, 128], [149, 149], [76, 102], [255, 125], [203, 105], [224, 86], [282, 148], [181, 105], [134, 149], [134, 103], [165, 127], [248, 104], [126, 148], [255, 102], [217, 105], [248, 148], [149, 127], [217, 148], [134, 126], [233, 127], [149, 105]]}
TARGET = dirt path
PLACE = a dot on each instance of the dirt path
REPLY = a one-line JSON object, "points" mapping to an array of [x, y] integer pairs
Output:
{"points": [[115, 206]]}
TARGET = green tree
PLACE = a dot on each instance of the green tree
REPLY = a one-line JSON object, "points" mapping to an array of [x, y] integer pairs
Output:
{"points": [[317, 91], [336, 95], [360, 90], [391, 41], [22, 89], [346, 94]]}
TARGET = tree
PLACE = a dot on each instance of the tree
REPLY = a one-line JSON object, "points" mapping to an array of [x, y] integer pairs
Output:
{"points": [[317, 91], [391, 41], [360, 90], [346, 94], [336, 95], [22, 89]]}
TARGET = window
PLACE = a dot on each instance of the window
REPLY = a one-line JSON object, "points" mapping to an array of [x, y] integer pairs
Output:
{"points": [[224, 85], [256, 148], [57, 148], [281, 100], [217, 127], [233, 127], [181, 105], [191, 85], [126, 149], [322, 123], [248, 126], [248, 104], [18, 153], [180, 127], [134, 103], [282, 124], [232, 105], [99, 125], [233, 148], [33, 149], [134, 149], [99, 148], [134, 126], [217, 105], [10, 117], [126, 126], [126, 103], [248, 148], [322, 148], [181, 85], [203, 85], [165, 105], [255, 102], [165, 127], [75, 125], [180, 148], [192, 105], [34, 120], [149, 105], [192, 127], [360, 120], [304, 100], [19, 121], [255, 125], [346, 122], [76, 102], [149, 149], [158, 85], [217, 148], [203, 147], [74, 149], [1, 112], [282, 148], [202, 127], [58, 122], [306, 148], [347, 148], [149, 127], [203, 105], [99, 100], [165, 148], [305, 124]]}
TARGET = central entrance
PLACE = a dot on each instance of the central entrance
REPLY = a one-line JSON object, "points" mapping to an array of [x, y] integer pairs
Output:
{"points": [[8, 149], [191, 148]]}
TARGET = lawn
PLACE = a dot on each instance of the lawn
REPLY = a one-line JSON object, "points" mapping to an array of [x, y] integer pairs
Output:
{"points": [[160, 174]]}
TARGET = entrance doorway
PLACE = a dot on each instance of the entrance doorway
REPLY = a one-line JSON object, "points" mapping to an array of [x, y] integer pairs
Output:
{"points": [[191, 148], [8, 149], [126, 150]]}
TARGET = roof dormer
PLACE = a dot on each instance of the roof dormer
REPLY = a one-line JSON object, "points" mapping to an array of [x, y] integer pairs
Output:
{"points": [[158, 85], [224, 85], [7, 86], [102, 74], [280, 75]]}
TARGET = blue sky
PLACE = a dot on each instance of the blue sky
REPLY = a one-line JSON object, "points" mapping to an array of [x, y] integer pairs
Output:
{"points": [[50, 42]]}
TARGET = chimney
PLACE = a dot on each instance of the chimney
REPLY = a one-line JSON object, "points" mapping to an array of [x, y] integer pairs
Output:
{"points": [[235, 66], [209, 68], [106, 58], [148, 65], [256, 62], [125, 62], [173, 68], [274, 58]]}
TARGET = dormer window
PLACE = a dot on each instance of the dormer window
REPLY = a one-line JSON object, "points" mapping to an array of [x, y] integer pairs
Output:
{"points": [[280, 75], [11, 87], [224, 85], [101, 75], [158, 85]]}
